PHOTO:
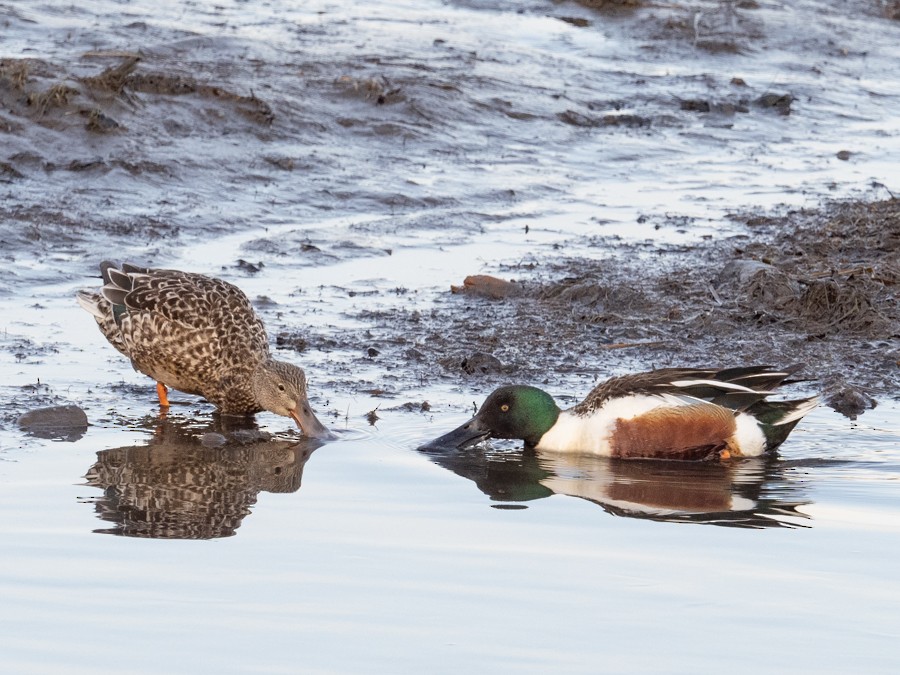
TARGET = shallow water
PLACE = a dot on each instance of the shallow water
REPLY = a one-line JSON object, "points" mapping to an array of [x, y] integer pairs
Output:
{"points": [[387, 559], [136, 549]]}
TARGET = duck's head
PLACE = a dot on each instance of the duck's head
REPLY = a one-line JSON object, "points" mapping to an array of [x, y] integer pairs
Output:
{"points": [[280, 388], [517, 411]]}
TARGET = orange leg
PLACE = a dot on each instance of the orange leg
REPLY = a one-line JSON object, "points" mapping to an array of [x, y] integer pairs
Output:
{"points": [[163, 394], [724, 454]]}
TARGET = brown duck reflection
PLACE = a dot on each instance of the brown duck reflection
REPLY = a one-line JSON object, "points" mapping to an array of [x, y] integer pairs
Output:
{"points": [[175, 487], [751, 493]]}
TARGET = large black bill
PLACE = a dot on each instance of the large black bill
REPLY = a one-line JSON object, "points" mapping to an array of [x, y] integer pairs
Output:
{"points": [[470, 433]]}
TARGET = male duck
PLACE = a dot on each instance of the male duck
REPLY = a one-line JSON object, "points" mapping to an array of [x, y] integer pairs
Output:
{"points": [[201, 336], [671, 413]]}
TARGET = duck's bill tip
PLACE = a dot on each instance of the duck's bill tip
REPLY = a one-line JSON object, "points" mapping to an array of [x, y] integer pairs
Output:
{"points": [[309, 424], [466, 435]]}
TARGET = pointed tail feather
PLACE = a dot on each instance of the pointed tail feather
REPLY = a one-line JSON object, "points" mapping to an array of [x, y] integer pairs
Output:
{"points": [[778, 418], [798, 410], [90, 303]]}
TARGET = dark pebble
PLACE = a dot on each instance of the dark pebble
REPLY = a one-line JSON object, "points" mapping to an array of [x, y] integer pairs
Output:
{"points": [[850, 402], [59, 422]]}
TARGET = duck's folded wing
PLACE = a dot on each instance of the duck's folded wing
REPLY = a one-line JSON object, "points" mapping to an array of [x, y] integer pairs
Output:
{"points": [[191, 300]]}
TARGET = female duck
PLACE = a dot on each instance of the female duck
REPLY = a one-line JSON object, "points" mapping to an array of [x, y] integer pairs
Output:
{"points": [[672, 413], [201, 336]]}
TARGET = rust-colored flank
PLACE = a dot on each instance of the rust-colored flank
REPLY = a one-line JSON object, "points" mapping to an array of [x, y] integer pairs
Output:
{"points": [[676, 432]]}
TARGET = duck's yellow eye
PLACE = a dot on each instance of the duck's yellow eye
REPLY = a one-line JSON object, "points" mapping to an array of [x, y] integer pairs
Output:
{"points": [[504, 407]]}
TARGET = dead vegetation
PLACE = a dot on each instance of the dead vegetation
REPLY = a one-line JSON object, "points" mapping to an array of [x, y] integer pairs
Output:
{"points": [[114, 79], [54, 97], [13, 73], [57, 96], [833, 271]]}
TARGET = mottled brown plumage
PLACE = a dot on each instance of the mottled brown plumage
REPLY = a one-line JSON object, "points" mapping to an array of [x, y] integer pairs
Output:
{"points": [[199, 335]]}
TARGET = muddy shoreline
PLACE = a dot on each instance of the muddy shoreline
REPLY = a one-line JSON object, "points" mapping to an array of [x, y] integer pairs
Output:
{"points": [[815, 286], [601, 157]]}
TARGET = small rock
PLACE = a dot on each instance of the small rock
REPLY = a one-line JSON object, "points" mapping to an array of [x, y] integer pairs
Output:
{"points": [[371, 352], [249, 436], [487, 286], [844, 155], [483, 363], [59, 422], [413, 406], [575, 21], [850, 401], [414, 354], [779, 102], [249, 267], [741, 271], [695, 105]]}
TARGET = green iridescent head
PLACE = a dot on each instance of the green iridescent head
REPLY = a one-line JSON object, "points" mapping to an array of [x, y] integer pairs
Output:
{"points": [[517, 411]]}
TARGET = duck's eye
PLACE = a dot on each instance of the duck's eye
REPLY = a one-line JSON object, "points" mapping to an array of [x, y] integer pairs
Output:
{"points": [[504, 407], [280, 387]]}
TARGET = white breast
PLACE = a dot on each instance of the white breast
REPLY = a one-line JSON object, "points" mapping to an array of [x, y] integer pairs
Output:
{"points": [[590, 434]]}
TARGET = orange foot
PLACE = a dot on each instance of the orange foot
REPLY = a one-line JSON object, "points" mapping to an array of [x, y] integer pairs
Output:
{"points": [[724, 454], [163, 394]]}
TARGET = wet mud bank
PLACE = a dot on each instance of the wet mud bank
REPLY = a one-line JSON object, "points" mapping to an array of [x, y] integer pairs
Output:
{"points": [[657, 181]]}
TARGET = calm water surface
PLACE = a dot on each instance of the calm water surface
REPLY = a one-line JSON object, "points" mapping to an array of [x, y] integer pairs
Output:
{"points": [[365, 555]]}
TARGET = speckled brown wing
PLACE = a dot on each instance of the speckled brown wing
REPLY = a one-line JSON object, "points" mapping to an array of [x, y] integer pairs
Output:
{"points": [[189, 331]]}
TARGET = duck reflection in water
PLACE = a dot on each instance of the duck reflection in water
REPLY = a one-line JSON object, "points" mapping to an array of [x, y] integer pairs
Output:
{"points": [[751, 493], [176, 487]]}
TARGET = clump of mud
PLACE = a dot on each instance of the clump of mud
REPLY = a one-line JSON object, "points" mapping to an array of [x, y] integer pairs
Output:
{"points": [[832, 272], [52, 96]]}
